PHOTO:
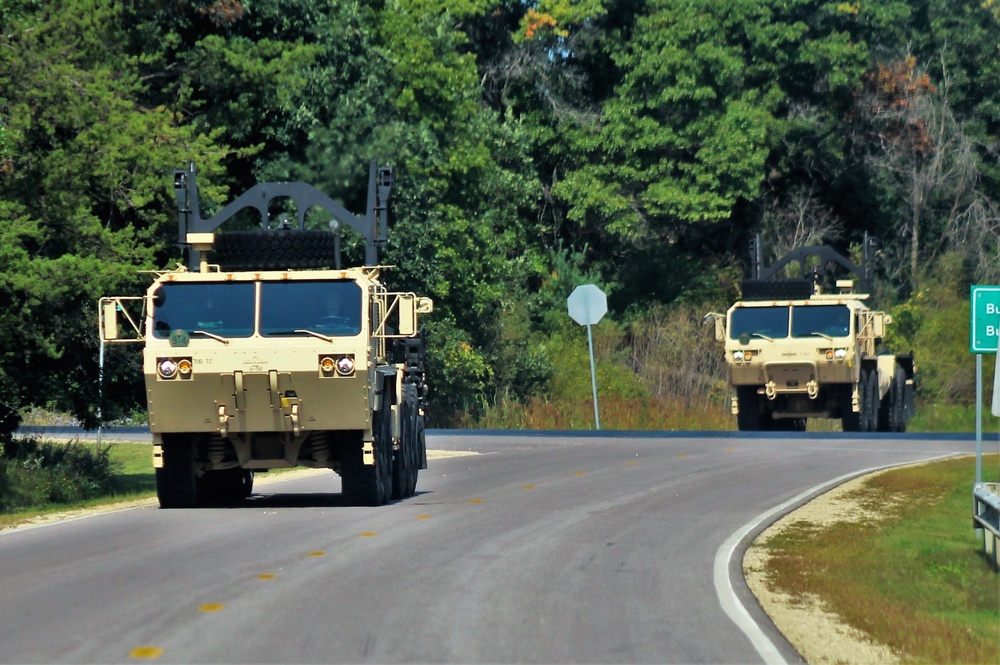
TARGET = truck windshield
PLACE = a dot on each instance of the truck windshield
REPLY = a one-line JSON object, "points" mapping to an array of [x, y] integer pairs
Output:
{"points": [[769, 322], [829, 320], [221, 308], [329, 308]]}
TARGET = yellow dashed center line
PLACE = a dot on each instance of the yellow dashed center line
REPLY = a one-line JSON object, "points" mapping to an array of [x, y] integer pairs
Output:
{"points": [[475, 500], [265, 576], [423, 517], [317, 554], [580, 474], [528, 487], [145, 652], [211, 607], [632, 463], [369, 534], [681, 455]]}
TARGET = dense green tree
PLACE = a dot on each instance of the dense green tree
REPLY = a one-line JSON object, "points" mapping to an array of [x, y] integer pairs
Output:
{"points": [[84, 194], [636, 144]]}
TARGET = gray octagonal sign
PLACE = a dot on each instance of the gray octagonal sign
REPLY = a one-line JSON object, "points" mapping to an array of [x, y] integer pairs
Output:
{"points": [[587, 304]]}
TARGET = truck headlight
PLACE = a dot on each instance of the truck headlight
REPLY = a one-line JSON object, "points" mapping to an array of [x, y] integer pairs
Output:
{"points": [[172, 368], [345, 365], [341, 365], [840, 354], [166, 368], [738, 356]]}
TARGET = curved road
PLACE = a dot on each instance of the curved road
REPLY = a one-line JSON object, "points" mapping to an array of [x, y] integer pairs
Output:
{"points": [[569, 547]]}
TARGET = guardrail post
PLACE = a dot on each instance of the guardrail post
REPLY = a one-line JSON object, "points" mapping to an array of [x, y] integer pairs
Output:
{"points": [[986, 517]]}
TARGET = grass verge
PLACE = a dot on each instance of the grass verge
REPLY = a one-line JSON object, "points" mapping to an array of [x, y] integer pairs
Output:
{"points": [[909, 572], [133, 481]]}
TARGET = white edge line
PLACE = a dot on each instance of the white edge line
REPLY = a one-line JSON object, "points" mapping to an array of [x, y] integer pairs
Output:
{"points": [[728, 599]]}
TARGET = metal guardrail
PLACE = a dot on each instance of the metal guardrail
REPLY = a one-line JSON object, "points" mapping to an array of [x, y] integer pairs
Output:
{"points": [[986, 516]]}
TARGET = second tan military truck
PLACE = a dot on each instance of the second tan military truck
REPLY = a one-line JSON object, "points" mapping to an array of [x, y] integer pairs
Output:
{"points": [[265, 353], [804, 348]]}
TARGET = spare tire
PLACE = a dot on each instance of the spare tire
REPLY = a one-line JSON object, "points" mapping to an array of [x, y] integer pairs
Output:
{"points": [[279, 249]]}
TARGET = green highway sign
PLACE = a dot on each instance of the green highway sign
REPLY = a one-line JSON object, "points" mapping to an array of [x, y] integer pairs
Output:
{"points": [[984, 319]]}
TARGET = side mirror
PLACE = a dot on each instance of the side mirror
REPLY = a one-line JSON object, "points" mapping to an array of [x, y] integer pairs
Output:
{"points": [[407, 314], [109, 320], [720, 325]]}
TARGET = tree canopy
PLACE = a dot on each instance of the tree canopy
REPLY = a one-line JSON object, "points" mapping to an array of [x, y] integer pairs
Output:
{"points": [[637, 144]]}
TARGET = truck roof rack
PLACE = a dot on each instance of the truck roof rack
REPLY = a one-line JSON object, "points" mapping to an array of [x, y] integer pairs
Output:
{"points": [[372, 227], [765, 284]]}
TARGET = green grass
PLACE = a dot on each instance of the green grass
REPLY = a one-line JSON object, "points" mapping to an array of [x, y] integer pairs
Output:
{"points": [[673, 414], [917, 580], [133, 475]]}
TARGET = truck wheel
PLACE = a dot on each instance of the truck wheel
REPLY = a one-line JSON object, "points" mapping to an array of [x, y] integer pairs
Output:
{"points": [[850, 421], [791, 424], [748, 419], [176, 485], [869, 400], [887, 408], [364, 485], [279, 249], [247, 482], [899, 401], [405, 462], [227, 486]]}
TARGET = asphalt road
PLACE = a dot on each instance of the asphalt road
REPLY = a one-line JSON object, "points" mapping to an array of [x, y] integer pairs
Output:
{"points": [[537, 548]]}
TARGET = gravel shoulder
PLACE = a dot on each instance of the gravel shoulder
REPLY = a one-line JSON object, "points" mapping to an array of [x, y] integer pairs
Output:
{"points": [[817, 634]]}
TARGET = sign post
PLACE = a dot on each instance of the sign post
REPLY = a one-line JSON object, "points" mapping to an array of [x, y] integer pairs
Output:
{"points": [[984, 332], [587, 305]]}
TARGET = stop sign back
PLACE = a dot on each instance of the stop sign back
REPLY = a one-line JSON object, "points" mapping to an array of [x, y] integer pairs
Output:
{"points": [[587, 304]]}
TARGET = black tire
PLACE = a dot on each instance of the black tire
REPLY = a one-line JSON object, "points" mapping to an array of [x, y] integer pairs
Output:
{"points": [[247, 482], [227, 486], [748, 419], [364, 485], [899, 401], [887, 408], [176, 485], [776, 289], [406, 462], [421, 443], [850, 421], [279, 249], [789, 425], [869, 400]]}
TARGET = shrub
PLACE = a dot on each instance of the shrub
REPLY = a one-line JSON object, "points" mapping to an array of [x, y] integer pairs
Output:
{"points": [[34, 473]]}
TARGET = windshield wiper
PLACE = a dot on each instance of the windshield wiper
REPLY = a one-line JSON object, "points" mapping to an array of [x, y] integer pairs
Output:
{"points": [[823, 335], [218, 338], [321, 336], [762, 336]]}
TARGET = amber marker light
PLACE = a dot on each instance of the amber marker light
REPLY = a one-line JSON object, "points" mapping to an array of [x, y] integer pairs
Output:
{"points": [[184, 367], [326, 365]]}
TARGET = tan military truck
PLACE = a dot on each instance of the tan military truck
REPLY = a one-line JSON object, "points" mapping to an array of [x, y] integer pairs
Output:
{"points": [[265, 353], [799, 349]]}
